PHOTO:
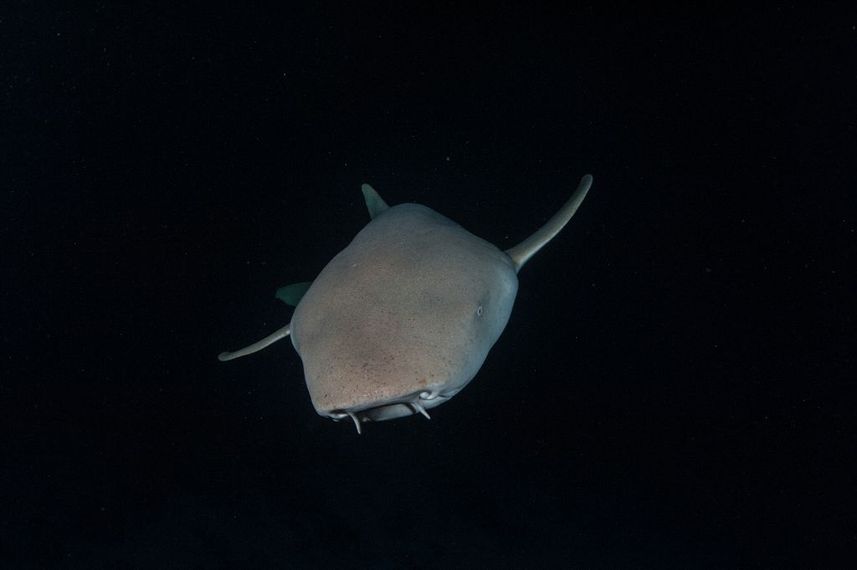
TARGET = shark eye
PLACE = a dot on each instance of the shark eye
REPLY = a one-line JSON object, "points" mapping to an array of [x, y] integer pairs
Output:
{"points": [[479, 311]]}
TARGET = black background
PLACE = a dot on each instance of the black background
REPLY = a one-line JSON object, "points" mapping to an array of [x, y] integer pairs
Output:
{"points": [[675, 387]]}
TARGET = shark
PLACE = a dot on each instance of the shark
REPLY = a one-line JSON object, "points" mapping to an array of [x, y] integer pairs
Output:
{"points": [[403, 318]]}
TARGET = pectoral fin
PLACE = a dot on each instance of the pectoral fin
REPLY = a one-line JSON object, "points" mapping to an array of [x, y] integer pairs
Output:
{"points": [[527, 248], [257, 346]]}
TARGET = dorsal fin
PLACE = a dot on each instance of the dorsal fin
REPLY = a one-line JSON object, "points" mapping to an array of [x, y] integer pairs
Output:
{"points": [[292, 294], [528, 248], [374, 203]]}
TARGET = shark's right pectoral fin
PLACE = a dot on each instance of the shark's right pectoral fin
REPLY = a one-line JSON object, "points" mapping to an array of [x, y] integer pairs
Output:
{"points": [[257, 346]]}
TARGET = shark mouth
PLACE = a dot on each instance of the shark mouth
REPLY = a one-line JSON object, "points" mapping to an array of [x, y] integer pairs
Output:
{"points": [[391, 410]]}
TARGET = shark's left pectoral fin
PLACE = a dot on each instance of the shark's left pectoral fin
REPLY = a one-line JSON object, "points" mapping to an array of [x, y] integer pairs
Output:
{"points": [[528, 248]]}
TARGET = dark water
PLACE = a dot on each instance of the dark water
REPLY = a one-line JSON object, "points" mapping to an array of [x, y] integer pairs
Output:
{"points": [[675, 387]]}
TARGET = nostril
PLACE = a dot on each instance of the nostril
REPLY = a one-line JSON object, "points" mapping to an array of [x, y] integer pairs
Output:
{"points": [[356, 422], [419, 408], [339, 415]]}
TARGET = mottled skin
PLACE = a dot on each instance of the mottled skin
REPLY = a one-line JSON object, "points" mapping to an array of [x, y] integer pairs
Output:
{"points": [[403, 318], [412, 305]]}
